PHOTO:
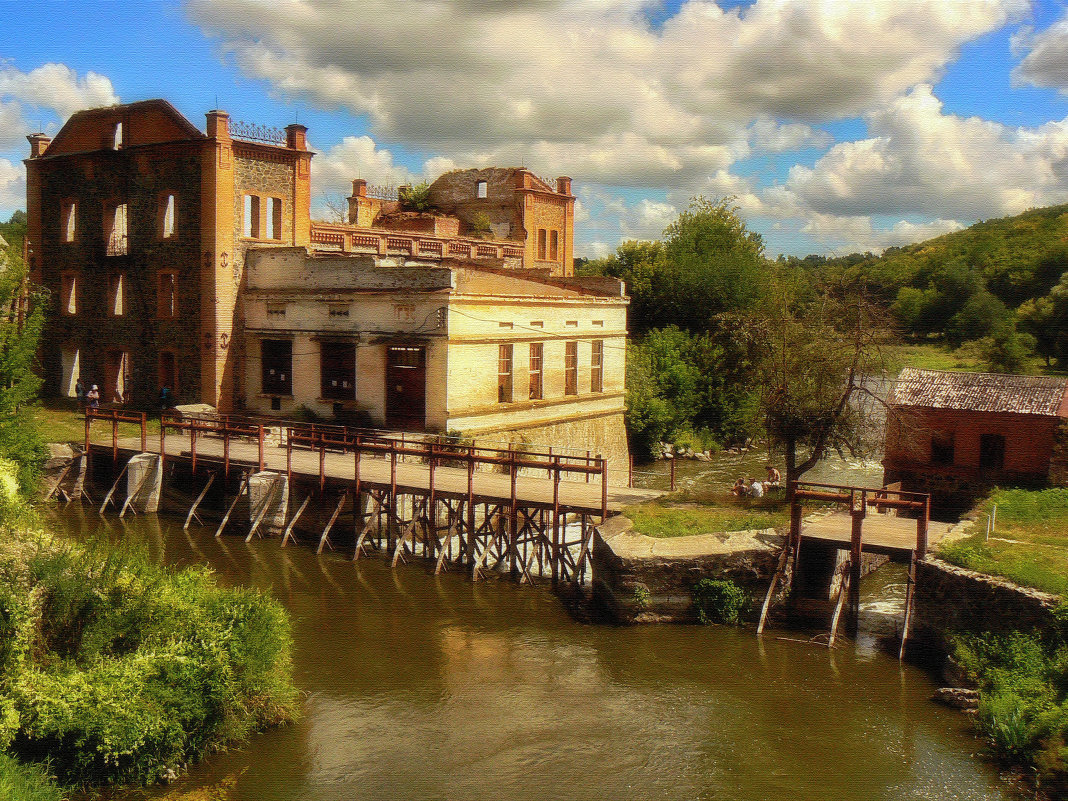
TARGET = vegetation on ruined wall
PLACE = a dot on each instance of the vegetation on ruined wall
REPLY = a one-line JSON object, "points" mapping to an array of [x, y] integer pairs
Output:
{"points": [[667, 518], [720, 601]]}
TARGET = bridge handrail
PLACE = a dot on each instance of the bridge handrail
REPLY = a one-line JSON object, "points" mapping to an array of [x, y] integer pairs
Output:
{"points": [[115, 416]]}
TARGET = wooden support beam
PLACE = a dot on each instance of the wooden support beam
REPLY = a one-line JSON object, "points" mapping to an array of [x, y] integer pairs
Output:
{"points": [[855, 567], [261, 512], [844, 589], [288, 534], [325, 539], [193, 509], [910, 600], [780, 571], [131, 495], [111, 492], [230, 511], [58, 488]]}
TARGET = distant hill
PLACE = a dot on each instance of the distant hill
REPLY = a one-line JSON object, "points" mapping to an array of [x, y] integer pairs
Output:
{"points": [[1017, 257]]}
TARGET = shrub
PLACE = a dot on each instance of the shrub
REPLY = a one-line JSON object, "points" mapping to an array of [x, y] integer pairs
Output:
{"points": [[720, 601]]}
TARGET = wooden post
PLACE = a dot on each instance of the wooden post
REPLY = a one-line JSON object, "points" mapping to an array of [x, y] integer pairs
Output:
{"points": [[587, 465], [630, 470], [855, 566], [392, 512], [163, 442], [673, 472], [226, 452], [261, 446], [289, 460], [193, 447], [555, 556], [604, 489], [114, 437], [230, 511], [922, 523], [513, 514], [431, 531], [289, 528], [196, 503], [470, 541], [88, 421], [144, 432], [322, 465]]}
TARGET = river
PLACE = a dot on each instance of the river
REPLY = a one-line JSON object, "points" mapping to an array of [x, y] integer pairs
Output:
{"points": [[437, 688]]}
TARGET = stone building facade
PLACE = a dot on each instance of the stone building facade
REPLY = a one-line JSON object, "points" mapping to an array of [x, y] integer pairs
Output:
{"points": [[138, 224], [189, 260]]}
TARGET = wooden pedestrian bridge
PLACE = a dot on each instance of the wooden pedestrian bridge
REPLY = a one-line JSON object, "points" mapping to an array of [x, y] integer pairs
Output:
{"points": [[529, 512]]}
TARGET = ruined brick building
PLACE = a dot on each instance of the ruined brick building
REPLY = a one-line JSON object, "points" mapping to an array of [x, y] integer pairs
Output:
{"points": [[189, 260]]}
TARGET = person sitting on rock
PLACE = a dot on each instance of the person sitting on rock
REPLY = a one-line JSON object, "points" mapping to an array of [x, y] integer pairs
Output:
{"points": [[774, 480], [740, 488], [756, 489]]}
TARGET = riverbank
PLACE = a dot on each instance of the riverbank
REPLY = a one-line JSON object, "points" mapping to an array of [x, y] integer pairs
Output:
{"points": [[114, 670]]}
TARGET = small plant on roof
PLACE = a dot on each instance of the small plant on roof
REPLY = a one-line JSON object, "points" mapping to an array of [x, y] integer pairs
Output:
{"points": [[415, 197]]}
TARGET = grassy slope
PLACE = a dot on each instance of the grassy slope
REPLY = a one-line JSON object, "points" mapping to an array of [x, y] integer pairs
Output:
{"points": [[60, 420], [1030, 541], [25, 782], [674, 517]]}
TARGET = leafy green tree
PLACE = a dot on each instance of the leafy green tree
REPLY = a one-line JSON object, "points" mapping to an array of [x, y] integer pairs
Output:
{"points": [[820, 356], [980, 315], [1007, 350], [21, 321], [415, 197]]}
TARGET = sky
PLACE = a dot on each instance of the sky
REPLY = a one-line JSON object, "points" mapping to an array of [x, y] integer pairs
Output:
{"points": [[835, 126]]}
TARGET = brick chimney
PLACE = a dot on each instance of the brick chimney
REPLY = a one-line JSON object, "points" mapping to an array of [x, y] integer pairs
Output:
{"points": [[38, 144], [563, 185], [297, 136], [218, 125]]}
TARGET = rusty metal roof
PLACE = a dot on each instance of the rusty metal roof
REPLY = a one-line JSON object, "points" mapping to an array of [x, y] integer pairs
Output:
{"points": [[979, 392]]}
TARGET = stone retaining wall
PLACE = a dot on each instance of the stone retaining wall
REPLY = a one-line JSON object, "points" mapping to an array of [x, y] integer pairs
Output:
{"points": [[640, 579], [951, 598]]}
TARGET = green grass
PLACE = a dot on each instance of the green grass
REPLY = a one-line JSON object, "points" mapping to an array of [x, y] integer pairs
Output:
{"points": [[25, 782], [1036, 522], [667, 518], [60, 420], [935, 356]]}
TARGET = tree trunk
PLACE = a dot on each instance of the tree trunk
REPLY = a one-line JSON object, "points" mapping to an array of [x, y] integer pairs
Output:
{"points": [[791, 468]]}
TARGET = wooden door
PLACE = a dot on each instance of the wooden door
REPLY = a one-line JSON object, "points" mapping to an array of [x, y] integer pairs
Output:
{"points": [[406, 388]]}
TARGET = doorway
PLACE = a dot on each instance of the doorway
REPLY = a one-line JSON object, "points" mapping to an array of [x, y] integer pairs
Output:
{"points": [[405, 387]]}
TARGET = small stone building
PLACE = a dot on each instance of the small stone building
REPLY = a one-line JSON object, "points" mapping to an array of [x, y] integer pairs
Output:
{"points": [[956, 434]]}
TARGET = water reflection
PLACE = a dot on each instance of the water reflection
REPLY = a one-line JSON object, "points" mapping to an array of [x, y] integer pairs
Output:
{"points": [[423, 687]]}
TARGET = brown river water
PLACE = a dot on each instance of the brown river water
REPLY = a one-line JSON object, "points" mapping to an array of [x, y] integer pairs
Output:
{"points": [[423, 687]]}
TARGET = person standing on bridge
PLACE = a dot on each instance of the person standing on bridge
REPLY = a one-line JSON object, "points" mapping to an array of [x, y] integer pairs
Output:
{"points": [[94, 397]]}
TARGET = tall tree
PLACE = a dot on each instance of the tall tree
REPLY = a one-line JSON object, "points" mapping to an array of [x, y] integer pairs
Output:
{"points": [[821, 370]]}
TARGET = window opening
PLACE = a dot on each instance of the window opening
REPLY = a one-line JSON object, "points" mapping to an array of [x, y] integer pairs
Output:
{"points": [[541, 244], [504, 374], [69, 216], [116, 295], [570, 368], [115, 229], [118, 377], [537, 352], [276, 356], [338, 370], [166, 213], [275, 231], [69, 294], [481, 189], [554, 244], [168, 372], [942, 448], [991, 452], [338, 310], [167, 297], [597, 366], [70, 359], [252, 217], [116, 137]]}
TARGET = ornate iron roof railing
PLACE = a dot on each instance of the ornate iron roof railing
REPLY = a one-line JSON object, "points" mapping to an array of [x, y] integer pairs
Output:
{"points": [[382, 192], [257, 133]]}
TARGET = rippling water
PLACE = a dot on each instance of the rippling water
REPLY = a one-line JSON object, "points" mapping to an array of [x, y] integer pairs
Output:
{"points": [[436, 688]]}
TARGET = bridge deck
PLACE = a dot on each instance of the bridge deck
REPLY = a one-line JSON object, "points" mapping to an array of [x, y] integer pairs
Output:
{"points": [[881, 533], [575, 495]]}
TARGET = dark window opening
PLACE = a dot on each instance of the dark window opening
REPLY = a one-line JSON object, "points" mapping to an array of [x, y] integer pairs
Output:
{"points": [[571, 368], [942, 448], [537, 351], [338, 370], [504, 374], [991, 452], [277, 364], [597, 366]]}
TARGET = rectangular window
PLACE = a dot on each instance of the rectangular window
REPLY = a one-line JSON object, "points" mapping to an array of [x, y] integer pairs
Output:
{"points": [[167, 296], [570, 368], [338, 370], [503, 324], [481, 189], [275, 220], [116, 295], [537, 352], [991, 452], [69, 220], [570, 323], [541, 244], [70, 363], [167, 228], [116, 137], [276, 357], [597, 366], [68, 295], [504, 374], [115, 228], [942, 450], [554, 244], [537, 323], [252, 217], [168, 372], [118, 377]]}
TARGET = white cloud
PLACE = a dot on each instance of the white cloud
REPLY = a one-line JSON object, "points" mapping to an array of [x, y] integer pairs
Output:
{"points": [[1046, 62], [56, 87], [921, 161], [858, 234], [12, 185], [589, 88], [647, 220]]}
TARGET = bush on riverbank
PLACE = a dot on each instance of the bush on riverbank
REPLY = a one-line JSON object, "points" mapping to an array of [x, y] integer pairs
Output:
{"points": [[1023, 698], [720, 601], [115, 670]]}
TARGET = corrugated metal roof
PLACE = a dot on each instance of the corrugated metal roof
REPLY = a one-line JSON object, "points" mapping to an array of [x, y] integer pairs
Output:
{"points": [[979, 392]]}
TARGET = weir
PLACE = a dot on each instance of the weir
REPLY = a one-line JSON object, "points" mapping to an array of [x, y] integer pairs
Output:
{"points": [[830, 553], [477, 509]]}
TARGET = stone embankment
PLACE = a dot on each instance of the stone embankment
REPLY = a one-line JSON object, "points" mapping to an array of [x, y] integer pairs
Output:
{"points": [[640, 579], [668, 451]]}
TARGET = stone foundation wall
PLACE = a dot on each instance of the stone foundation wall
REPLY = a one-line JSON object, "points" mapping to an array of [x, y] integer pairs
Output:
{"points": [[951, 598], [640, 579]]}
